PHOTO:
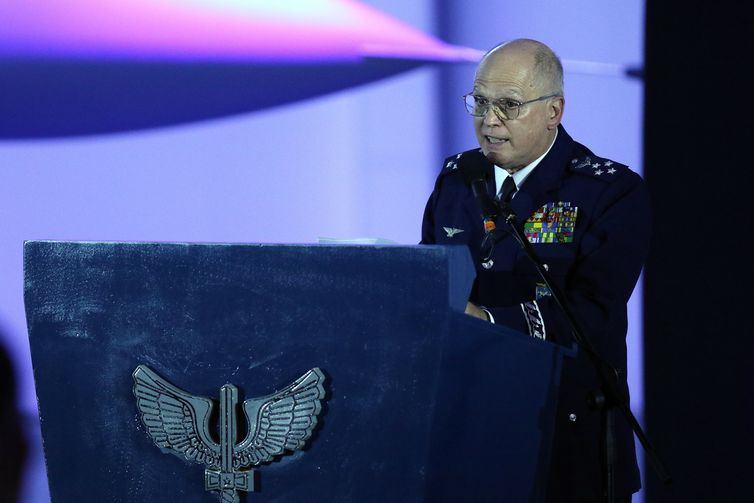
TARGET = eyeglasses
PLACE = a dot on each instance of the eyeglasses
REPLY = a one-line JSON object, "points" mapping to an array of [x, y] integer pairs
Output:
{"points": [[505, 109]]}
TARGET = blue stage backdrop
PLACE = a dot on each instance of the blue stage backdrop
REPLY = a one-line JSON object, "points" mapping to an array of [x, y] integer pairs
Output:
{"points": [[347, 151]]}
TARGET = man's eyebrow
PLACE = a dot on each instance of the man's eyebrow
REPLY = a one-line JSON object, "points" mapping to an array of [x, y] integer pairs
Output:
{"points": [[499, 98]]}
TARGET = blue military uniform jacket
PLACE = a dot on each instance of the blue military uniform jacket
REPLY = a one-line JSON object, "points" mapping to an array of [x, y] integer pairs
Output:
{"points": [[588, 220]]}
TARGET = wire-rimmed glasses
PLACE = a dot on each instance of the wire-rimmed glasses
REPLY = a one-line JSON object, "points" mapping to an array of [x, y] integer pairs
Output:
{"points": [[505, 108]]}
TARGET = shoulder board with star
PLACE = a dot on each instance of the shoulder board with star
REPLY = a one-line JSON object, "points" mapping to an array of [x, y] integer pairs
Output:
{"points": [[597, 167], [468, 164], [457, 161]]}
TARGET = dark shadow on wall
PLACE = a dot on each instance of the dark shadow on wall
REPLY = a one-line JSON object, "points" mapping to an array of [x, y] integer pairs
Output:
{"points": [[698, 296], [13, 444]]}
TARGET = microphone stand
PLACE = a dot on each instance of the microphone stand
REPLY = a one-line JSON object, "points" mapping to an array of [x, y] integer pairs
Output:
{"points": [[611, 397]]}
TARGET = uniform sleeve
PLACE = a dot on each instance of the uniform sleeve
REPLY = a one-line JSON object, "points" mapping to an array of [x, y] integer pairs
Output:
{"points": [[525, 317], [428, 222]]}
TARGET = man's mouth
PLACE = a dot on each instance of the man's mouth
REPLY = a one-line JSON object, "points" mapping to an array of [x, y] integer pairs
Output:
{"points": [[494, 140]]}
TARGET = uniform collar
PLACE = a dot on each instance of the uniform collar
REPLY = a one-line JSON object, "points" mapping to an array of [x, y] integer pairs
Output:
{"points": [[542, 182], [520, 176]]}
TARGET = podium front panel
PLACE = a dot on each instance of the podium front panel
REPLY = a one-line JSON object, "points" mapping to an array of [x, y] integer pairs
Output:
{"points": [[378, 320]]}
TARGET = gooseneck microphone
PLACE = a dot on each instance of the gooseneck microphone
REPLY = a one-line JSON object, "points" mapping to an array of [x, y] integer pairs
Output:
{"points": [[489, 207], [476, 172]]}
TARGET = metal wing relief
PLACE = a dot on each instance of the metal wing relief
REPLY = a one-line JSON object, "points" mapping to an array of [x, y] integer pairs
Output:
{"points": [[283, 420], [175, 419], [179, 421]]}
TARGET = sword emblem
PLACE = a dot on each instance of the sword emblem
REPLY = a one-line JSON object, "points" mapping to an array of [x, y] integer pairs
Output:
{"points": [[177, 420]]}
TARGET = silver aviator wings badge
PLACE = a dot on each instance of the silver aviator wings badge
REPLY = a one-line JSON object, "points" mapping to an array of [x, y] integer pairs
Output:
{"points": [[452, 231], [179, 421]]}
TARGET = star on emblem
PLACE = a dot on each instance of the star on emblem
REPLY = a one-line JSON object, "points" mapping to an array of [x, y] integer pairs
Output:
{"points": [[598, 171], [608, 163], [452, 231], [611, 170], [450, 163], [596, 165]]}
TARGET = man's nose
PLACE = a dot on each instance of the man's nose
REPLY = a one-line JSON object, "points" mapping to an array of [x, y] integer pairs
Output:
{"points": [[491, 117]]}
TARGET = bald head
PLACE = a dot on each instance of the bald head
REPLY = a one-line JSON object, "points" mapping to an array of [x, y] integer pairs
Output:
{"points": [[533, 57], [526, 77]]}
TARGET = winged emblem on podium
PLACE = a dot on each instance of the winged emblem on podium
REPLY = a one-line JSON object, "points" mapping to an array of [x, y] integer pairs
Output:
{"points": [[179, 421]]}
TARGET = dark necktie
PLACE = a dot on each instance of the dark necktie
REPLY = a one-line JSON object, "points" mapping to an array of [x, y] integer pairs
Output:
{"points": [[506, 193]]}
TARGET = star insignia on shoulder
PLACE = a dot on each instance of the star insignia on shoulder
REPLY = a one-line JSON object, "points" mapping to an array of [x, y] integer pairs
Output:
{"points": [[597, 166], [452, 164]]}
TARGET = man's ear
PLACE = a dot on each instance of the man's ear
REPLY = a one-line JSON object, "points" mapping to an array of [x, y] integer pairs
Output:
{"points": [[555, 111]]}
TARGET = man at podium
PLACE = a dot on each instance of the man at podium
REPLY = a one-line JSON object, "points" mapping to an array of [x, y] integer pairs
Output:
{"points": [[587, 219]]}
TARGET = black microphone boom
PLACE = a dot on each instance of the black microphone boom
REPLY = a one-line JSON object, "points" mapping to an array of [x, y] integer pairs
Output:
{"points": [[476, 170], [489, 207]]}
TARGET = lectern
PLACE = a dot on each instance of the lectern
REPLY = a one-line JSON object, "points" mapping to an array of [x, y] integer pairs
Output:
{"points": [[202, 372]]}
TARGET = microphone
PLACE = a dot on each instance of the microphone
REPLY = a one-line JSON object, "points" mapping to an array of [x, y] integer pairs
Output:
{"points": [[489, 207]]}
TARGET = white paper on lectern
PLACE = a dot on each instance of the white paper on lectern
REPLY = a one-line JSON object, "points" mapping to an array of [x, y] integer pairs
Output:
{"points": [[357, 241]]}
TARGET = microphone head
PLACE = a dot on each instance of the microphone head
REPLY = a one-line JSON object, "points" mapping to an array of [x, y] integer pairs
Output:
{"points": [[474, 165], [488, 205]]}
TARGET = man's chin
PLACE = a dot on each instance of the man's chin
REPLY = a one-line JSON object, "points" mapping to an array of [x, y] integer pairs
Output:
{"points": [[494, 157], [501, 161]]}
